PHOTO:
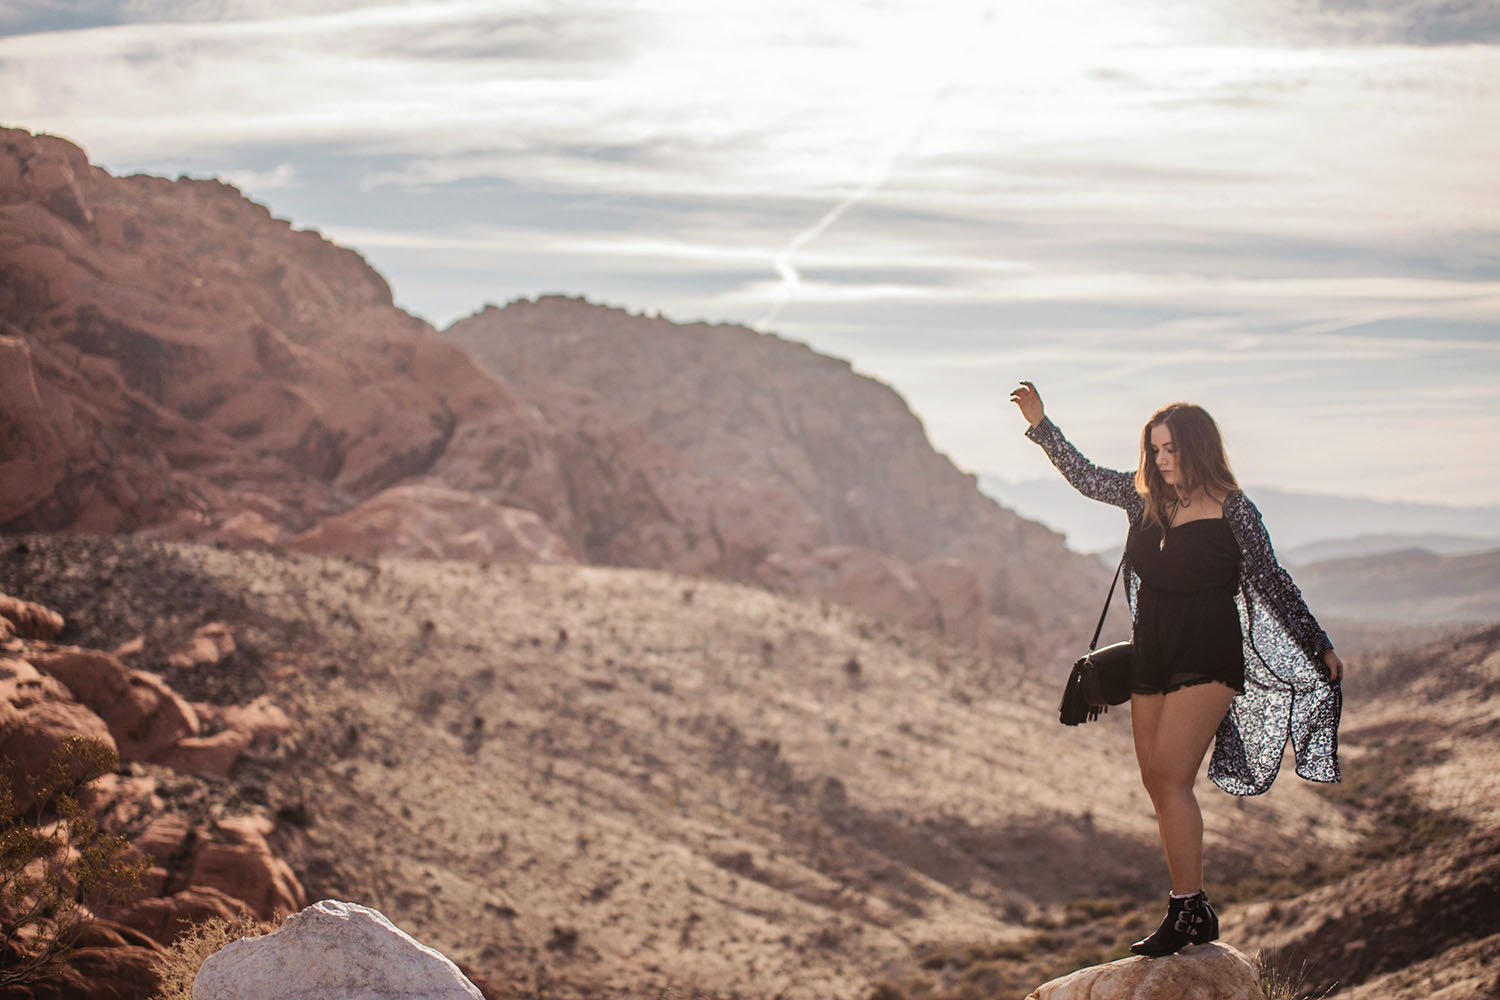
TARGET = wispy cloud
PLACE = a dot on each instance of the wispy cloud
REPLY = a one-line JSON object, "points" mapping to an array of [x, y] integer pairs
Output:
{"points": [[1368, 22], [1291, 204]]}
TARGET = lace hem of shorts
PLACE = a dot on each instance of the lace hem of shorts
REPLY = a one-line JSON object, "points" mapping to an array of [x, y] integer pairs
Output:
{"points": [[1194, 682]]}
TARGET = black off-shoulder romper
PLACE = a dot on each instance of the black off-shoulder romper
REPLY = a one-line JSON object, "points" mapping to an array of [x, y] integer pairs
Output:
{"points": [[1187, 628]]}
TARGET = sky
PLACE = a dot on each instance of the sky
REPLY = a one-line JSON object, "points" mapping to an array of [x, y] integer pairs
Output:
{"points": [[1287, 211]]}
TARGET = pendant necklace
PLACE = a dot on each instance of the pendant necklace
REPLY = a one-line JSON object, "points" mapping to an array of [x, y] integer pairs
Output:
{"points": [[1171, 516]]}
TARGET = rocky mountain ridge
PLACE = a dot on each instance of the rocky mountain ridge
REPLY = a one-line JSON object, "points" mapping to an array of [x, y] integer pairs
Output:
{"points": [[178, 363], [739, 455]]}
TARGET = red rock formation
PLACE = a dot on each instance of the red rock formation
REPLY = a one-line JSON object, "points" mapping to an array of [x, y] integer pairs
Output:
{"points": [[1214, 971], [236, 860], [432, 521], [858, 576], [144, 715], [719, 450], [36, 714], [164, 918], [173, 357], [48, 693], [177, 362], [123, 802], [35, 458], [238, 729], [107, 972], [209, 646], [27, 620]]}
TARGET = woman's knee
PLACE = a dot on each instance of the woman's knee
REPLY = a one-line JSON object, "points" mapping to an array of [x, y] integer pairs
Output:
{"points": [[1162, 780]]}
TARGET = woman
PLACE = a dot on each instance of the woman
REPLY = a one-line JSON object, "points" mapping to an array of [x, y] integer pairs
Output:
{"points": [[1224, 644]]}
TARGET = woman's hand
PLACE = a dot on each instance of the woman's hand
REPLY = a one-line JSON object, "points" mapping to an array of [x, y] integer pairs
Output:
{"points": [[1030, 401], [1334, 664]]}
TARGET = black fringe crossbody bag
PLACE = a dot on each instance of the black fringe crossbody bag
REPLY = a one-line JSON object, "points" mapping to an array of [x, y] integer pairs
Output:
{"points": [[1101, 677]]}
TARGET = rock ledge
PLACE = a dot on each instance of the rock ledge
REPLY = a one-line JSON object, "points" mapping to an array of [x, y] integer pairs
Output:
{"points": [[1214, 971]]}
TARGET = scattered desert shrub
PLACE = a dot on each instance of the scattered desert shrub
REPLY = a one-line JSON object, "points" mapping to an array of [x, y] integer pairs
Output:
{"points": [[1046, 921], [1407, 826], [56, 867], [985, 980], [1398, 824], [1097, 908], [965, 955], [179, 964], [1281, 980], [915, 988], [1278, 885]]}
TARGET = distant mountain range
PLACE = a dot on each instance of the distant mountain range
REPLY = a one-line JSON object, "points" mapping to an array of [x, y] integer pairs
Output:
{"points": [[1409, 586], [1365, 546], [1305, 527]]}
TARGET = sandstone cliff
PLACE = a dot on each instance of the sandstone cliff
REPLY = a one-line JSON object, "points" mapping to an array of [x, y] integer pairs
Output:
{"points": [[175, 360]]}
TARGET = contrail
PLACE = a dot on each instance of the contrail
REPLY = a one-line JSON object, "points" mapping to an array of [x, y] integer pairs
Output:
{"points": [[884, 167], [790, 278]]}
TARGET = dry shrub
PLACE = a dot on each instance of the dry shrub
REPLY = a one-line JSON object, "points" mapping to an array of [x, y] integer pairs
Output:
{"points": [[56, 866], [1280, 980], [179, 964]]}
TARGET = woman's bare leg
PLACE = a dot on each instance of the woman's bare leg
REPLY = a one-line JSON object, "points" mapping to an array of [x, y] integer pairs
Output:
{"points": [[1172, 734], [1145, 714]]}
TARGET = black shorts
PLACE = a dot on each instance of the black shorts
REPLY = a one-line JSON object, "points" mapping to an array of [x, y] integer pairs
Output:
{"points": [[1183, 639]]}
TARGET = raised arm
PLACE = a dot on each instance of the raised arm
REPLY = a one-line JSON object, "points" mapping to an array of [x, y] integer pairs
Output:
{"points": [[1274, 582], [1105, 485]]}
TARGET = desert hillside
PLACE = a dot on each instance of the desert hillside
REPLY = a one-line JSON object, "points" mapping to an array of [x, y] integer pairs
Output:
{"points": [[176, 362], [1413, 913], [1404, 909], [612, 782]]}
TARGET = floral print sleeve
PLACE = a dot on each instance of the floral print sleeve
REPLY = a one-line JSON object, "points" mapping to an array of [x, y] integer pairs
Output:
{"points": [[1288, 696], [1105, 485], [1271, 581]]}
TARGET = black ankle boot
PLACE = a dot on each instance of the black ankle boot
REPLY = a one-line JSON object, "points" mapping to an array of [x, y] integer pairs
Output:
{"points": [[1189, 920]]}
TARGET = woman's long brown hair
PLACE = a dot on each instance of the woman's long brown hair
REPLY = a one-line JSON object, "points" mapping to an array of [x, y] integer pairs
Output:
{"points": [[1200, 460]]}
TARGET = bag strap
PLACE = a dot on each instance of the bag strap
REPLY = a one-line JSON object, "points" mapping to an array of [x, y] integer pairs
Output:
{"points": [[1100, 627]]}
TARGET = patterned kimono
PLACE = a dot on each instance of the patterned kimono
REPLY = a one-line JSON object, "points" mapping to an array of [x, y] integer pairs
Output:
{"points": [[1287, 695]]}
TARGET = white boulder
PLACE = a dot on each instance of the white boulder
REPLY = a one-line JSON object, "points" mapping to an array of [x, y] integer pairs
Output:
{"points": [[332, 951]]}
